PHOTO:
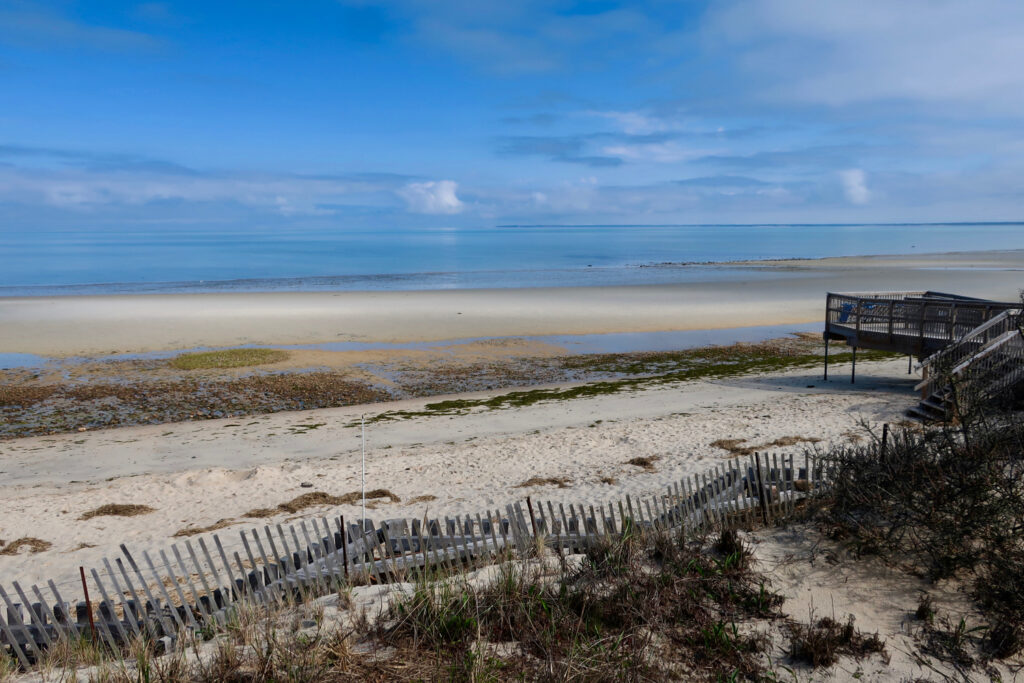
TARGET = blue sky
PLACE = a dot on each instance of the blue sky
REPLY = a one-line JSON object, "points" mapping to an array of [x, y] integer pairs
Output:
{"points": [[339, 113]]}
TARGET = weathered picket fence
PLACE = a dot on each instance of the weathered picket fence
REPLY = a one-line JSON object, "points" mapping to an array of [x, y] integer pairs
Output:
{"points": [[195, 586]]}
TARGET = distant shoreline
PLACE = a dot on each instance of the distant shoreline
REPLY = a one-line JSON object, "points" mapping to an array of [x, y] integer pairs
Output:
{"points": [[600, 276]]}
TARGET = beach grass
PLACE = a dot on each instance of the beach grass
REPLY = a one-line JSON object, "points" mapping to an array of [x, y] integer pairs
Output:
{"points": [[227, 358]]}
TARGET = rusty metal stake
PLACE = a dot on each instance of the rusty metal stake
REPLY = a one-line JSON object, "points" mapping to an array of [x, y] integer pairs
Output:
{"points": [[88, 603], [533, 520]]}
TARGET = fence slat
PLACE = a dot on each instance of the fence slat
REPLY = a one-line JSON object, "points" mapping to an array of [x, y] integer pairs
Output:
{"points": [[121, 634], [8, 634], [14, 614], [177, 589], [187, 575]]}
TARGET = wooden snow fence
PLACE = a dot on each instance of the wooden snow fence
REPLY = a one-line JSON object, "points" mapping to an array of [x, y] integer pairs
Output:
{"points": [[195, 585]]}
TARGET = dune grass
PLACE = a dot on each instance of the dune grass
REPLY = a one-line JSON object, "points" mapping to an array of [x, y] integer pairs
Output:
{"points": [[227, 358]]}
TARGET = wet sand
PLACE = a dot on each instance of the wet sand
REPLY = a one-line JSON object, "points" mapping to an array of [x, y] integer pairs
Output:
{"points": [[776, 292]]}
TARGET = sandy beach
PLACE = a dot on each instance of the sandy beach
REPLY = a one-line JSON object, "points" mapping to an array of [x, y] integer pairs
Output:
{"points": [[769, 293], [196, 474], [201, 472], [234, 474]]}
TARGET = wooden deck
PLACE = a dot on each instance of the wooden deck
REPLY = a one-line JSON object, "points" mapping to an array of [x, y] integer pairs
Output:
{"points": [[915, 323]]}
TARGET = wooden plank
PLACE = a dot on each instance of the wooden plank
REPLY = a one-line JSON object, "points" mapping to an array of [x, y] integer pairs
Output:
{"points": [[322, 582], [337, 569], [187, 575], [567, 531], [313, 565], [282, 595], [369, 540], [208, 593], [165, 624], [376, 553], [8, 634], [303, 563], [389, 555], [292, 563], [232, 596], [261, 581], [33, 617], [121, 634], [335, 575], [247, 591], [446, 545], [218, 582], [426, 568], [501, 531], [65, 616], [718, 487], [14, 615], [468, 539], [556, 527], [177, 588], [765, 492], [431, 559], [60, 629], [494, 537], [163, 590], [128, 616], [168, 624]]}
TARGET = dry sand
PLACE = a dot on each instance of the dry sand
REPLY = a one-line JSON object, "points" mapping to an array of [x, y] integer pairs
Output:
{"points": [[762, 293], [197, 473]]}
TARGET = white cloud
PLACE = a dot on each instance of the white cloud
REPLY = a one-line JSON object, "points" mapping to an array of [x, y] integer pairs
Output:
{"points": [[841, 53], [854, 182], [435, 196], [656, 152], [85, 190]]}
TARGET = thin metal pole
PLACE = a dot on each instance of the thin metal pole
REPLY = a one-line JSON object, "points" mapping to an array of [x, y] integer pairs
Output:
{"points": [[910, 363], [853, 368], [362, 432], [826, 359]]}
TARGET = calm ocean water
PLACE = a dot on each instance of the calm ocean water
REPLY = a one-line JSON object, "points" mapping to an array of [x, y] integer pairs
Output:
{"points": [[82, 262]]}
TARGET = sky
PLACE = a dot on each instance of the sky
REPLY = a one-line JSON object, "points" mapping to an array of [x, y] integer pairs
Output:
{"points": [[474, 113]]}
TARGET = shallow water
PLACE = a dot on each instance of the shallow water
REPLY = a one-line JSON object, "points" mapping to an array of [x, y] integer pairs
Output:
{"points": [[124, 261], [625, 342]]}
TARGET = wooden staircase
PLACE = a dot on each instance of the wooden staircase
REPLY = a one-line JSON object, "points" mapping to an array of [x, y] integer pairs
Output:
{"points": [[987, 360]]}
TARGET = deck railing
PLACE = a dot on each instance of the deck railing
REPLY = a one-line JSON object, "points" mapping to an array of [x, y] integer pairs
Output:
{"points": [[995, 369], [949, 359], [914, 318]]}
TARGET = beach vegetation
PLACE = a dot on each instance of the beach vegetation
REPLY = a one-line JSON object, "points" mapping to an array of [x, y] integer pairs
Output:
{"points": [[196, 530], [32, 545], [227, 358], [560, 482], [947, 504], [117, 510], [644, 462], [319, 499], [653, 370], [821, 642]]}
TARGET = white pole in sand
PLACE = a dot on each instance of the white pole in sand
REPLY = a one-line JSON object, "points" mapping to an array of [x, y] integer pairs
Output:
{"points": [[362, 432]]}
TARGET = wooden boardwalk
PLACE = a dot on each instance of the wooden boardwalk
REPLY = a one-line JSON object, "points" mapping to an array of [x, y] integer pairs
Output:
{"points": [[914, 323], [973, 342], [197, 584]]}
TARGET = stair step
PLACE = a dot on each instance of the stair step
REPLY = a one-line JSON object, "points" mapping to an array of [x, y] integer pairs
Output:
{"points": [[923, 415]]}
